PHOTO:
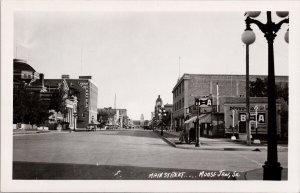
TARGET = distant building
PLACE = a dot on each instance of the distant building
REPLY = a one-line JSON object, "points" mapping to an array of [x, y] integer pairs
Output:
{"points": [[142, 120], [136, 122], [169, 110]]}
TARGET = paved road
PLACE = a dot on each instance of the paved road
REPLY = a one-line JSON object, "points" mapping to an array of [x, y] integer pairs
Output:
{"points": [[136, 148]]}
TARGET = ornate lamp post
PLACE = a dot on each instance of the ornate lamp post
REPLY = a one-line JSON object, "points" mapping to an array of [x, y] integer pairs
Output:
{"points": [[272, 168], [197, 104], [162, 113]]}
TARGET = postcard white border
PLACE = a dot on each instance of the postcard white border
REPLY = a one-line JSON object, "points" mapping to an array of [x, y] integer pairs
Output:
{"points": [[9, 185]]}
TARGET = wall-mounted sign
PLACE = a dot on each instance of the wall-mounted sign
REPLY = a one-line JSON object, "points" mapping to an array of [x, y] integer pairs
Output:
{"points": [[203, 101], [252, 108], [260, 117]]}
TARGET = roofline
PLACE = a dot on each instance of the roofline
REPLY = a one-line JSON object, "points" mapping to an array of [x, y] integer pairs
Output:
{"points": [[251, 75]]}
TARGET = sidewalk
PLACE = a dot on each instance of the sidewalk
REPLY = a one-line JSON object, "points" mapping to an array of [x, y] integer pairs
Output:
{"points": [[32, 131], [221, 144]]}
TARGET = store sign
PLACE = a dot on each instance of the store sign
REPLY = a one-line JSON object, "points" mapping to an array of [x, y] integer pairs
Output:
{"points": [[261, 117], [203, 101], [252, 108]]}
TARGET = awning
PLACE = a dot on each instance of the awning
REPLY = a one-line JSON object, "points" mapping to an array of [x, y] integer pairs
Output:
{"points": [[94, 123], [203, 118], [191, 120]]}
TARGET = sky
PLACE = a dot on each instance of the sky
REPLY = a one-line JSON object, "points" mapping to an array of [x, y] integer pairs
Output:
{"points": [[135, 55]]}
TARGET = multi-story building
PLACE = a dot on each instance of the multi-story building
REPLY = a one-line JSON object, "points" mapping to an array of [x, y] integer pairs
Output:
{"points": [[86, 92], [216, 88]]}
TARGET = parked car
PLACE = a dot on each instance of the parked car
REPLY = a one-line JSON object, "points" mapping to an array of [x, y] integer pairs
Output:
{"points": [[147, 127]]}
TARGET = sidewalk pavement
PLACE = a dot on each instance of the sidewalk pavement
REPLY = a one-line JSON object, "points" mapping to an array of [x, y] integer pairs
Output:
{"points": [[34, 131], [224, 144]]}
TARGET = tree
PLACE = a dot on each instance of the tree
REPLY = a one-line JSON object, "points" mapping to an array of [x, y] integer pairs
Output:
{"points": [[104, 115], [28, 108], [258, 88], [58, 98]]}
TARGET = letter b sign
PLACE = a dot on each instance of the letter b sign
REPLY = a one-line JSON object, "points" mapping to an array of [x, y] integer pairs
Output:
{"points": [[243, 117]]}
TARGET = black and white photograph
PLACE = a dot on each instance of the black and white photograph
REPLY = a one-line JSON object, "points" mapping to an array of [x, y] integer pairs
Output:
{"points": [[149, 96]]}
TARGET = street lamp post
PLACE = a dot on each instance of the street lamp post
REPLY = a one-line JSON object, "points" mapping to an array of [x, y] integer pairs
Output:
{"points": [[233, 138], [272, 168], [256, 140], [75, 116], [162, 113], [197, 104], [248, 37]]}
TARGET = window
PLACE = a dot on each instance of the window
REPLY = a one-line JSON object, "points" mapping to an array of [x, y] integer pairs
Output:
{"points": [[83, 115], [179, 88]]}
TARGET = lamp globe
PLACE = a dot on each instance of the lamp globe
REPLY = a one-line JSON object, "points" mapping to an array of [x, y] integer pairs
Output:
{"points": [[253, 14], [286, 36], [282, 13], [248, 37]]}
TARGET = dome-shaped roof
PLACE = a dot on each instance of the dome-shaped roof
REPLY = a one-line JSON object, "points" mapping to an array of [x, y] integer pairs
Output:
{"points": [[20, 65]]}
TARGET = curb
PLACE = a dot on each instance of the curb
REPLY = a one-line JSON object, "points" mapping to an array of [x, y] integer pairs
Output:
{"points": [[28, 133], [165, 139], [169, 142], [280, 149]]}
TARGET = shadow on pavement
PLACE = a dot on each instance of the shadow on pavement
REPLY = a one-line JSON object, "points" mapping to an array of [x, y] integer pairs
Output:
{"points": [[136, 133], [62, 171], [257, 174]]}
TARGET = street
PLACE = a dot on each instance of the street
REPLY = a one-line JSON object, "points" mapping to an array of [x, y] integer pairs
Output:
{"points": [[123, 154]]}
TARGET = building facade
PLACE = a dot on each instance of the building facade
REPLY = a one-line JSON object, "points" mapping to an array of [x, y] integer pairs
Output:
{"points": [[86, 93], [216, 88]]}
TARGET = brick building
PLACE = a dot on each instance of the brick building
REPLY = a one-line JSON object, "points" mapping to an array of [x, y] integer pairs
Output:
{"points": [[215, 87], [86, 93]]}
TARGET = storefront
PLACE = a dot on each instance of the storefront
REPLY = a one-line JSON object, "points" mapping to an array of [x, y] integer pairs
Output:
{"points": [[235, 116]]}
